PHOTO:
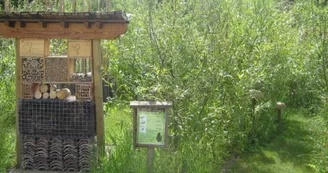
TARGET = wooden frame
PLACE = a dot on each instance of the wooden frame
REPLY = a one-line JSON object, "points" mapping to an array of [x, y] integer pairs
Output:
{"points": [[39, 27], [152, 107]]}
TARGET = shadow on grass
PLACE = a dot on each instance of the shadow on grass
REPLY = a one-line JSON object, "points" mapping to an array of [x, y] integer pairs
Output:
{"points": [[288, 152]]}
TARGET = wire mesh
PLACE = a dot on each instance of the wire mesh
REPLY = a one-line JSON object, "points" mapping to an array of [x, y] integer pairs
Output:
{"points": [[57, 118]]}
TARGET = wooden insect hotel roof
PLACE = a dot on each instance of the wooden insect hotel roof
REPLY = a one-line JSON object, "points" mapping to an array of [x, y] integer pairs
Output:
{"points": [[81, 25]]}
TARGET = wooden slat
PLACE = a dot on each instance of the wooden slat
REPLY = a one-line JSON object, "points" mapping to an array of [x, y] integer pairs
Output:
{"points": [[79, 48], [55, 30], [98, 91], [18, 96], [32, 47]]}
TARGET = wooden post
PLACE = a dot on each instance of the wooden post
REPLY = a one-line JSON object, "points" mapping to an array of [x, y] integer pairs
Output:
{"points": [[89, 5], [134, 117], [279, 106], [150, 159], [98, 92], [18, 96], [62, 6], [279, 116], [7, 4], [27, 4], [74, 6], [108, 5], [83, 6], [98, 5]]}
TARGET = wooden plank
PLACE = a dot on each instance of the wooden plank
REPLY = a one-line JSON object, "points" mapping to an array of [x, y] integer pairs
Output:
{"points": [[135, 116], [166, 135], [137, 104], [18, 96], [98, 91], [79, 48], [55, 30], [46, 47], [32, 47]]}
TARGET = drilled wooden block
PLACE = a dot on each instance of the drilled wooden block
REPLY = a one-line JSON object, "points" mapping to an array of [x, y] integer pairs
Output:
{"points": [[79, 48], [32, 69], [27, 91], [82, 92], [56, 69], [32, 47]]}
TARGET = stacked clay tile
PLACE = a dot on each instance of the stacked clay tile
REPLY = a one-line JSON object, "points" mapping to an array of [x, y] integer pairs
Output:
{"points": [[70, 154], [56, 155], [85, 150], [28, 153], [42, 154]]}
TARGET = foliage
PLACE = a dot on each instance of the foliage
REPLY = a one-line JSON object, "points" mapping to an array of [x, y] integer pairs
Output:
{"points": [[7, 103], [209, 58]]}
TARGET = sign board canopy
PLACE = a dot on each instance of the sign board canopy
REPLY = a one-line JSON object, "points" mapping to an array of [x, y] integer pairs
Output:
{"points": [[150, 121]]}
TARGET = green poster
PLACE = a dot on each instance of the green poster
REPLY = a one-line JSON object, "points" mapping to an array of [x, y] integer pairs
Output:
{"points": [[151, 128]]}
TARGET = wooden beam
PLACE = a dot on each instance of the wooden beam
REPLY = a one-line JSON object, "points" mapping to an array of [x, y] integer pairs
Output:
{"points": [[18, 96], [55, 30], [98, 93]]}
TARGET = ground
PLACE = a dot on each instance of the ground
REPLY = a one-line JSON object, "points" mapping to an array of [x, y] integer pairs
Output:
{"points": [[289, 152]]}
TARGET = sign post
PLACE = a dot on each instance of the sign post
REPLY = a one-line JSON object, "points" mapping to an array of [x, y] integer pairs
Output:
{"points": [[150, 121]]}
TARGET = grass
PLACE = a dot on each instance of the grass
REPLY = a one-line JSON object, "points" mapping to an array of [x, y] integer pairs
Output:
{"points": [[289, 152]]}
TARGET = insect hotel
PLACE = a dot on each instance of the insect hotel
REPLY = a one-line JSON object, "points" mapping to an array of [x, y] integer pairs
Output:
{"points": [[59, 98]]}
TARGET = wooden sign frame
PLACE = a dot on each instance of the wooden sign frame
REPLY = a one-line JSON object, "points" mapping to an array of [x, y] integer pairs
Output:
{"points": [[152, 118]]}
